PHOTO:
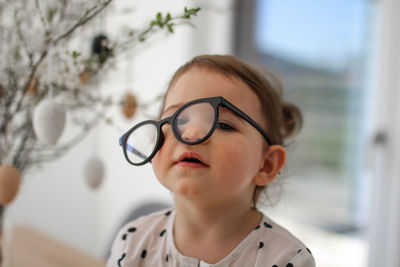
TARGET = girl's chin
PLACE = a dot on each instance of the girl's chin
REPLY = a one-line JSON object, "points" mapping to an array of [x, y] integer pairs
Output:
{"points": [[188, 191], [189, 188]]}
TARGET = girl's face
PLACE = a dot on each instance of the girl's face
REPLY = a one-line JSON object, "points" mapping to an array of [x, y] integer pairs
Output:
{"points": [[230, 160]]}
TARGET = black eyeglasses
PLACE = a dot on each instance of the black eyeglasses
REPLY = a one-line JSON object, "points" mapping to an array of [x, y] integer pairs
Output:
{"points": [[192, 124]]}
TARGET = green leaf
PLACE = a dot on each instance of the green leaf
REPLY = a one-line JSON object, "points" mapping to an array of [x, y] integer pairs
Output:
{"points": [[189, 12], [170, 28], [159, 17], [168, 18], [75, 54]]}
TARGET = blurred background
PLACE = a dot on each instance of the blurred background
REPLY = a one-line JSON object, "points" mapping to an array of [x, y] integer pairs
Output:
{"points": [[339, 61]]}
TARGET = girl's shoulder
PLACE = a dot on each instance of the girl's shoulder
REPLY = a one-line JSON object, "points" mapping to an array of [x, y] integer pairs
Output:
{"points": [[278, 232], [279, 241], [145, 229]]}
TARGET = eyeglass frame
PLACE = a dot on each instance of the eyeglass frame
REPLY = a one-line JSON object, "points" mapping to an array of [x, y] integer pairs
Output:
{"points": [[215, 102]]}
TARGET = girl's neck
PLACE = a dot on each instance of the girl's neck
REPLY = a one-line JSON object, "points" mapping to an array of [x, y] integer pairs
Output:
{"points": [[216, 230], [203, 214]]}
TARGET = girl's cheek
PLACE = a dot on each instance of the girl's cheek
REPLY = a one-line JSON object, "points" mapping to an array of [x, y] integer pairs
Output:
{"points": [[231, 155], [241, 156], [160, 159], [156, 161]]}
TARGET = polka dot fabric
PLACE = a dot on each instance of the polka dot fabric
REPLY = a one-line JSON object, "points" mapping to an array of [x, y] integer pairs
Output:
{"points": [[148, 241]]}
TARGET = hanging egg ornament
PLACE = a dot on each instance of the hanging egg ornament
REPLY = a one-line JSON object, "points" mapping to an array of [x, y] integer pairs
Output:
{"points": [[94, 173], [49, 121], [129, 105], [84, 77], [9, 183], [101, 48]]}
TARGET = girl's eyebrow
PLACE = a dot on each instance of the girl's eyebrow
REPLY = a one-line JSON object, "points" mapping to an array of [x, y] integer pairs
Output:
{"points": [[173, 107], [225, 110]]}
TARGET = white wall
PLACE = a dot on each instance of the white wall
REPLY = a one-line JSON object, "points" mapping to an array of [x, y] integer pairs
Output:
{"points": [[55, 199]]}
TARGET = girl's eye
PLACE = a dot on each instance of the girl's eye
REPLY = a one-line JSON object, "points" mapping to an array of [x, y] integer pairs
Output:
{"points": [[181, 121], [225, 126]]}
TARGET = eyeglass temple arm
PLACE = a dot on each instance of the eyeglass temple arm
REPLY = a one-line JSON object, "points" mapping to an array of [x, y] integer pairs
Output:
{"points": [[248, 119]]}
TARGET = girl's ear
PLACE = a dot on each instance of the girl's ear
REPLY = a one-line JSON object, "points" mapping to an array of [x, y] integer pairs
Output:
{"points": [[274, 158]]}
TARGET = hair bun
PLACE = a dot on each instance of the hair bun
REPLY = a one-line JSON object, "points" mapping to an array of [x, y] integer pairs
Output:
{"points": [[292, 120]]}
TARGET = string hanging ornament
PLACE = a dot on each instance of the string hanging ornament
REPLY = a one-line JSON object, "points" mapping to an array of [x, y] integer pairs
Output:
{"points": [[94, 169], [49, 116], [100, 49], [129, 101]]}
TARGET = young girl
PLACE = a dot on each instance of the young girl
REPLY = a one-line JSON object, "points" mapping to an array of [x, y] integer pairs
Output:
{"points": [[218, 144]]}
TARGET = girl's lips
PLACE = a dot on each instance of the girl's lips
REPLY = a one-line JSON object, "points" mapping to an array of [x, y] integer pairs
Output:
{"points": [[188, 164], [191, 160]]}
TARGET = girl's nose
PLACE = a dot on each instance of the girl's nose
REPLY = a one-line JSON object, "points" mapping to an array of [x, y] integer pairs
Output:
{"points": [[193, 134]]}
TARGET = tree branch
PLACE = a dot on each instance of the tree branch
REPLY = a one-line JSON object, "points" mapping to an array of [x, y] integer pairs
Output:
{"points": [[13, 84], [22, 39], [42, 19], [18, 143], [90, 14], [82, 21]]}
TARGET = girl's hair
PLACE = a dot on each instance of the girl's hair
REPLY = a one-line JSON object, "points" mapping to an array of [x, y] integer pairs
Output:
{"points": [[282, 119]]}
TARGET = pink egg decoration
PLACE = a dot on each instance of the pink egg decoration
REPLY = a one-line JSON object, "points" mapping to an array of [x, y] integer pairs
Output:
{"points": [[130, 105], [9, 183]]}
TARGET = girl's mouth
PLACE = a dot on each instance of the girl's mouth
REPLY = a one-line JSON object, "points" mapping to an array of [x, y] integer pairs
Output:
{"points": [[191, 160]]}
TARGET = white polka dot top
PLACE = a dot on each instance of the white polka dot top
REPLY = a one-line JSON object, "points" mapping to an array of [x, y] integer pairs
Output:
{"points": [[148, 241]]}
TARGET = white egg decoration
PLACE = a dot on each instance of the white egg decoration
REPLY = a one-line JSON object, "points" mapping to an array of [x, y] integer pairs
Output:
{"points": [[49, 121], [94, 172]]}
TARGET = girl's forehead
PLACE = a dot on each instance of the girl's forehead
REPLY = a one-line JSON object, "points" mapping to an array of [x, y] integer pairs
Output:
{"points": [[200, 83]]}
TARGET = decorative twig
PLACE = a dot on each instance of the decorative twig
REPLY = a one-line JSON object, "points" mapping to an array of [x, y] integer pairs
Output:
{"points": [[13, 84], [167, 22], [42, 19], [25, 88], [22, 39], [90, 14]]}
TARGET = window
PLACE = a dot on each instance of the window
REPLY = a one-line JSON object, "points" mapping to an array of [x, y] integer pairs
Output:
{"points": [[320, 49]]}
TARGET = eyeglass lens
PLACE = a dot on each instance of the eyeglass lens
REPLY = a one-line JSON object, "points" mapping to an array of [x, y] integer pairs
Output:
{"points": [[141, 143], [191, 125], [194, 122]]}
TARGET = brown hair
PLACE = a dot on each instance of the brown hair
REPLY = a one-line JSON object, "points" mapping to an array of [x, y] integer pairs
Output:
{"points": [[282, 119]]}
